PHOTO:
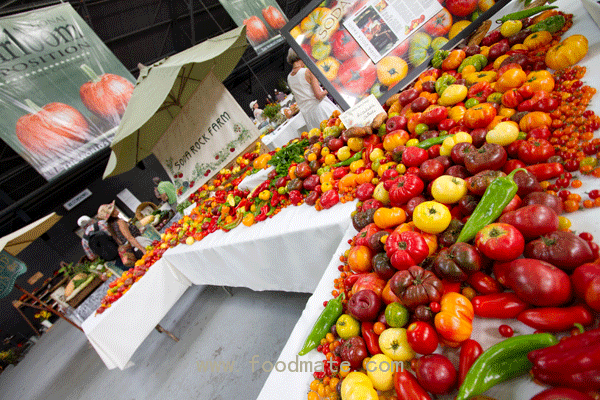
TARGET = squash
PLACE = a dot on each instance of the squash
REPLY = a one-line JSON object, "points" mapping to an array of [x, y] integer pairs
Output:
{"points": [[567, 53]]}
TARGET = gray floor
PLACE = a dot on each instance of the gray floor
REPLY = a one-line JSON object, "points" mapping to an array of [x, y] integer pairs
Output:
{"points": [[212, 326]]}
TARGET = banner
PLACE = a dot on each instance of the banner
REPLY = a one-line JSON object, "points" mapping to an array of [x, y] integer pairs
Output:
{"points": [[62, 91], [263, 20], [208, 133]]}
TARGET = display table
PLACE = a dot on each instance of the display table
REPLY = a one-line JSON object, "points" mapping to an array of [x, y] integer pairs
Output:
{"points": [[289, 130], [288, 252], [120, 330], [293, 384]]}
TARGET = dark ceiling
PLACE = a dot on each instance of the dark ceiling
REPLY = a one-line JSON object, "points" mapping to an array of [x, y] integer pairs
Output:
{"points": [[137, 31]]}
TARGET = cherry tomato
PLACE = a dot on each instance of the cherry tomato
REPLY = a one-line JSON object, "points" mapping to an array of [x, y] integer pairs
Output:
{"points": [[506, 331], [594, 194], [435, 306], [586, 236]]}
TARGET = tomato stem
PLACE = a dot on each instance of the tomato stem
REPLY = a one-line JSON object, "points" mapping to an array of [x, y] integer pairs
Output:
{"points": [[90, 73], [34, 107]]}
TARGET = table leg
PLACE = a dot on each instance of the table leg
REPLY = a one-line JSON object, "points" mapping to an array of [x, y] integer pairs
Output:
{"points": [[37, 333], [227, 290], [48, 308], [169, 334]]}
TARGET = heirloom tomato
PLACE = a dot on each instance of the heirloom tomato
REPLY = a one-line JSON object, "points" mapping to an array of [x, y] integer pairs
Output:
{"points": [[440, 24], [432, 217], [256, 31], [357, 75], [343, 45], [500, 242], [391, 70], [448, 189], [422, 337], [415, 286], [567, 53], [273, 17], [479, 116]]}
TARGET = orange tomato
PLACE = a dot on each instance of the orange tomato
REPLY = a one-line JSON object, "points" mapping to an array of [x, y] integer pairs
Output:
{"points": [[359, 259], [388, 217], [395, 139], [366, 176], [534, 119]]}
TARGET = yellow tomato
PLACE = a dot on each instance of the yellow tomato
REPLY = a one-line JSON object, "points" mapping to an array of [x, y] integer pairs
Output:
{"points": [[248, 219], [431, 217], [504, 133], [326, 177], [358, 386], [344, 153], [326, 186], [458, 27], [325, 151], [412, 142], [311, 157], [330, 159], [356, 165], [401, 168], [395, 139], [380, 369], [355, 144], [376, 154], [453, 94], [457, 113], [448, 189], [384, 167]]}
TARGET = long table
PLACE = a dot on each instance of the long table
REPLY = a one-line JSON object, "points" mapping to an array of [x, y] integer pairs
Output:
{"points": [[288, 252], [290, 129], [118, 332]]}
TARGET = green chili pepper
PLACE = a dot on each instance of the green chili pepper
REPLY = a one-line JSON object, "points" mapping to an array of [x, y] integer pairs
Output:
{"points": [[349, 161], [497, 195], [524, 14], [501, 362], [438, 57], [330, 314], [443, 82], [479, 61], [427, 143], [551, 24]]}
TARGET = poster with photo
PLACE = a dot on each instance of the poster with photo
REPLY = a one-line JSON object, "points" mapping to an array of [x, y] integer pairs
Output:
{"points": [[358, 48], [382, 25]]}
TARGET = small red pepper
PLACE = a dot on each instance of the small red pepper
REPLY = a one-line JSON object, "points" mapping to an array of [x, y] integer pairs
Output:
{"points": [[371, 338], [556, 319], [260, 188], [469, 351], [498, 305], [407, 387], [546, 171], [483, 283]]}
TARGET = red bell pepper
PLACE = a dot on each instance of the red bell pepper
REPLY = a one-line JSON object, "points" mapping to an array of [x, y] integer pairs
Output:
{"points": [[470, 350], [556, 319], [498, 305], [371, 338]]}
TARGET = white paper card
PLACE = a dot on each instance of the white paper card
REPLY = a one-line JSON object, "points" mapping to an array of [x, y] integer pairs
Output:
{"points": [[362, 113]]}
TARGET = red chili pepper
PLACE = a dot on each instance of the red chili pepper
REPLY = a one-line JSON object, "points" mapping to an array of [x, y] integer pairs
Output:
{"points": [[407, 387], [581, 359], [483, 283], [371, 338], [469, 351], [260, 188], [556, 319], [571, 343], [241, 204], [584, 381], [275, 199], [498, 305], [546, 171]]}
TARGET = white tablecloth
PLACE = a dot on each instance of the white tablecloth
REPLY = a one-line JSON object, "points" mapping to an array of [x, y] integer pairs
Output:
{"points": [[288, 252], [294, 385], [291, 129], [120, 330]]}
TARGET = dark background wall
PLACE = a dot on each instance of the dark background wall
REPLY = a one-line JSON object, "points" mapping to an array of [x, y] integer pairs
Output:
{"points": [[137, 31]]}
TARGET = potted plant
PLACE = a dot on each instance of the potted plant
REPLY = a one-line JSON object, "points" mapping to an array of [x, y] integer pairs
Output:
{"points": [[43, 316], [272, 111]]}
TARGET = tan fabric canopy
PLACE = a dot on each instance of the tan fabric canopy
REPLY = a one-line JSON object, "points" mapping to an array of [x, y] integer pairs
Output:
{"points": [[15, 242], [161, 92]]}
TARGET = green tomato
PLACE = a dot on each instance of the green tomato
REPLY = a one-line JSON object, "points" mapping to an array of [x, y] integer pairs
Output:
{"points": [[282, 190], [396, 315], [420, 46], [421, 128], [347, 327], [471, 103], [438, 43], [495, 97]]}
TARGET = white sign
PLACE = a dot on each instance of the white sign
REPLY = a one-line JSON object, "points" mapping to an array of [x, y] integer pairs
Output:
{"points": [[209, 132], [129, 199], [362, 113], [69, 205]]}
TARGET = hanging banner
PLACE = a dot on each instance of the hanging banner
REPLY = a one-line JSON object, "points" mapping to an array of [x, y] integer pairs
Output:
{"points": [[209, 132], [263, 20], [62, 91]]}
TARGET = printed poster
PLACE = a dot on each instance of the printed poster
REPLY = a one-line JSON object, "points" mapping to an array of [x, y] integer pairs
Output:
{"points": [[209, 132], [62, 91], [263, 20], [382, 25]]}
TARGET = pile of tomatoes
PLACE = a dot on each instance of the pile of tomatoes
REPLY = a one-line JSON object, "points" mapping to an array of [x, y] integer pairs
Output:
{"points": [[408, 286]]}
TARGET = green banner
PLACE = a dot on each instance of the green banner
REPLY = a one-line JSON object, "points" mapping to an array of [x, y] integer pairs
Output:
{"points": [[10, 269], [62, 90]]}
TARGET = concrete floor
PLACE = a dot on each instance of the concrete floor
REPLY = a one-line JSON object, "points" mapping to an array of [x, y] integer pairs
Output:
{"points": [[211, 325]]}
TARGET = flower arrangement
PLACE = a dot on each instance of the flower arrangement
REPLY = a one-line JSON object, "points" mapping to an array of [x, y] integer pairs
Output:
{"points": [[271, 110], [43, 315], [9, 356]]}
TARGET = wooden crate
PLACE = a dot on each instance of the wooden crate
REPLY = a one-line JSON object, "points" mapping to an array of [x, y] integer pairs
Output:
{"points": [[81, 296]]}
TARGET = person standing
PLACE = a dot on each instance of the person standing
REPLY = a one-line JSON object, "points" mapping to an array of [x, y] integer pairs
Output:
{"points": [[124, 232], [279, 96], [90, 226], [311, 98], [257, 112], [165, 191]]}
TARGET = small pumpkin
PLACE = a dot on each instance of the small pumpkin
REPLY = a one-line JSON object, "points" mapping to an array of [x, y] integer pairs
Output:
{"points": [[567, 53]]}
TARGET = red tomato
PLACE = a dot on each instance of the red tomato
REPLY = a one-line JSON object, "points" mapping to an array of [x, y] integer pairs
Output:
{"points": [[461, 8], [256, 31], [422, 337], [500, 242], [273, 17], [592, 294], [343, 45], [535, 151], [506, 331], [436, 374], [357, 75]]}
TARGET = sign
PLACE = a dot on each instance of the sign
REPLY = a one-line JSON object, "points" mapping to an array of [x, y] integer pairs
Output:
{"points": [[263, 21], [69, 205], [209, 132], [62, 90], [362, 113], [10, 268], [34, 278], [129, 199]]}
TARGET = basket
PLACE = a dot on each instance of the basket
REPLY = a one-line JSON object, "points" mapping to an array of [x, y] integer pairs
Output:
{"points": [[139, 211], [81, 296]]}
